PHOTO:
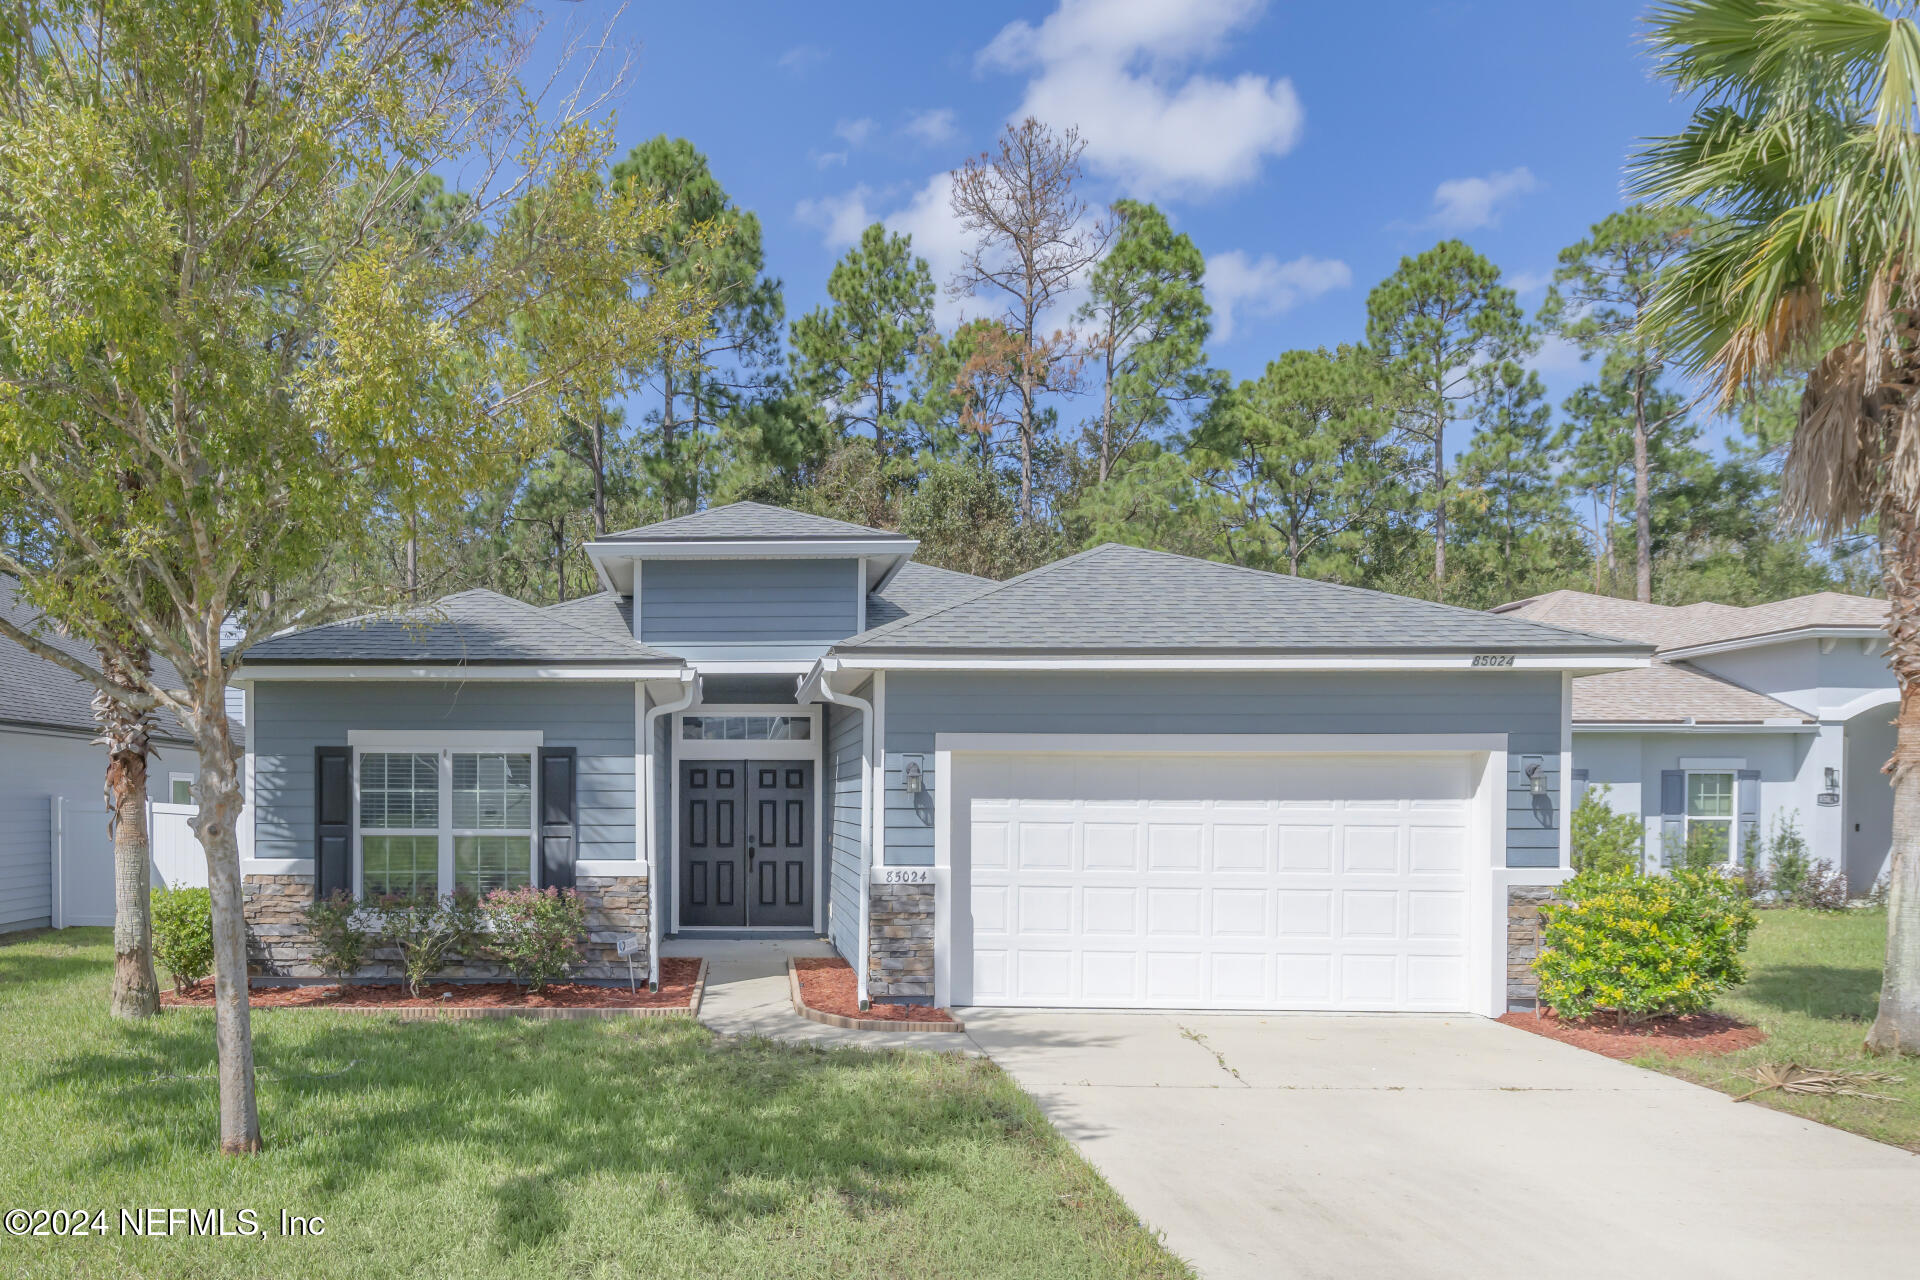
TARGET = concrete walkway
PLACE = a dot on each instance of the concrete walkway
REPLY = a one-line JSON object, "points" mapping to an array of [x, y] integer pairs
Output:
{"points": [[747, 996], [1412, 1147]]}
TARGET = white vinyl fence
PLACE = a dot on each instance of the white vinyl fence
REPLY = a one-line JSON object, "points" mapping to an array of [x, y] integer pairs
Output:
{"points": [[83, 857]]}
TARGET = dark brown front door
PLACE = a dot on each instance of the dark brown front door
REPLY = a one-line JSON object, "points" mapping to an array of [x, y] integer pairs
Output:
{"points": [[780, 842], [713, 846]]}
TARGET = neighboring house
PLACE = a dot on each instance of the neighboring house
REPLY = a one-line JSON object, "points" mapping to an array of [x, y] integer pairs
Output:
{"points": [[47, 751], [1127, 779], [1748, 716]]}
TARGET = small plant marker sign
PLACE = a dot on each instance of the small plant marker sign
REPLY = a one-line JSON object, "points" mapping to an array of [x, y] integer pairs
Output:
{"points": [[626, 945]]}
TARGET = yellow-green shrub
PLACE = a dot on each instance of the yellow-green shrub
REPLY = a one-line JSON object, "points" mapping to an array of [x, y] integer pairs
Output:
{"points": [[1638, 946]]}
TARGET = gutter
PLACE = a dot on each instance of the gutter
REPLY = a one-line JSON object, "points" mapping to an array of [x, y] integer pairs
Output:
{"points": [[816, 683], [655, 908]]}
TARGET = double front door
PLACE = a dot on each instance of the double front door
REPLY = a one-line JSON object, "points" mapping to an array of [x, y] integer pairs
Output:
{"points": [[746, 842]]}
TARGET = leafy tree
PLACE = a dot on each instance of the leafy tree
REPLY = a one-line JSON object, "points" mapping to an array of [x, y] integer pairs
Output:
{"points": [[1595, 445], [967, 519], [1147, 321], [966, 397], [855, 355], [225, 355], [1601, 291], [1302, 463], [712, 371], [1516, 522], [1156, 497], [1800, 145], [1435, 322], [1031, 241]]}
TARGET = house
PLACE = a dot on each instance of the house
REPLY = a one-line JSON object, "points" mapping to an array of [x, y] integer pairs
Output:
{"points": [[1746, 717], [47, 755], [1126, 779]]}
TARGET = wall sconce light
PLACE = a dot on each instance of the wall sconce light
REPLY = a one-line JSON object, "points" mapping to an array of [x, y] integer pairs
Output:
{"points": [[911, 778], [1536, 780], [1833, 778]]}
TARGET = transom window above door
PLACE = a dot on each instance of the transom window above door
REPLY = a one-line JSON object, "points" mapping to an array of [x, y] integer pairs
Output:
{"points": [[435, 822], [705, 728]]}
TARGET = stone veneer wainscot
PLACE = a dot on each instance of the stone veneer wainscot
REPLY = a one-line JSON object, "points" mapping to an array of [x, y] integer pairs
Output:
{"points": [[1523, 941], [280, 946], [900, 943]]}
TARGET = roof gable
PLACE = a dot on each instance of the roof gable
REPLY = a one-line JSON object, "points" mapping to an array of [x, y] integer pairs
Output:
{"points": [[1670, 627], [1117, 598], [754, 521]]}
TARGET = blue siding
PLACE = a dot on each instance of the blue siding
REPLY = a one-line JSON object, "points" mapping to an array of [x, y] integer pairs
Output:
{"points": [[291, 719], [845, 790], [35, 766], [1523, 705], [721, 609]]}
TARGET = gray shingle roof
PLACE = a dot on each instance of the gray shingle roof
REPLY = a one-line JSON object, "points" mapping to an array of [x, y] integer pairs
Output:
{"points": [[918, 588], [746, 520], [34, 691], [468, 627], [1683, 626], [1126, 599], [1672, 693], [609, 613]]}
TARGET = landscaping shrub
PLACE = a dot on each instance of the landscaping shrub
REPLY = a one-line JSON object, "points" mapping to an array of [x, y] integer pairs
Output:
{"points": [[428, 931], [1788, 862], [341, 942], [1823, 888], [1705, 848], [535, 932], [1603, 839], [1639, 946], [183, 934]]}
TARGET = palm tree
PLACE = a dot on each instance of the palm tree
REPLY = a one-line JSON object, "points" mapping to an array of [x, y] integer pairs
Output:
{"points": [[1802, 146]]}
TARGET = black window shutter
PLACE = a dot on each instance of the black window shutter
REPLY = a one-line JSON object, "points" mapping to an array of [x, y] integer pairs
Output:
{"points": [[332, 820], [559, 827]]}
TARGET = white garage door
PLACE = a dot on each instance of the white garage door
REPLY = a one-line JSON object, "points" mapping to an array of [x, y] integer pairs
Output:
{"points": [[1194, 881]]}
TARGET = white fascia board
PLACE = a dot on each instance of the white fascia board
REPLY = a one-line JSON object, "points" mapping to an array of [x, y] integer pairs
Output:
{"points": [[1215, 743], [1705, 726], [1771, 637], [448, 671], [1577, 663]]}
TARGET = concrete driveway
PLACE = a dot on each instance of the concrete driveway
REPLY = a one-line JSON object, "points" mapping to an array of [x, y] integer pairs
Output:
{"points": [[1406, 1147]]}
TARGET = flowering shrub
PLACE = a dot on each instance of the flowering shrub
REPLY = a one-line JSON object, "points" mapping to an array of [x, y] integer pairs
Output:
{"points": [[535, 932], [183, 934], [1640, 946], [428, 931], [340, 941]]}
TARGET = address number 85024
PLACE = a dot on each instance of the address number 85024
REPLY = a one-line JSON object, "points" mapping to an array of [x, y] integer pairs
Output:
{"points": [[906, 875]]}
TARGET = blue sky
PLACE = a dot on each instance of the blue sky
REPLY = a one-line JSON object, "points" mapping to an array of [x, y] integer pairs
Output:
{"points": [[1304, 147]]}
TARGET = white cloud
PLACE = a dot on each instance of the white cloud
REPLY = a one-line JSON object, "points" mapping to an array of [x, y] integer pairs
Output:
{"points": [[802, 58], [933, 127], [1464, 204], [1526, 282], [1240, 285], [854, 132], [1557, 356], [1121, 70], [829, 159], [840, 218], [941, 240]]}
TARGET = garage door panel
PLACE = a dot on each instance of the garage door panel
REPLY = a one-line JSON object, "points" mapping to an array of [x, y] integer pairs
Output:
{"points": [[1370, 851], [1264, 882]]}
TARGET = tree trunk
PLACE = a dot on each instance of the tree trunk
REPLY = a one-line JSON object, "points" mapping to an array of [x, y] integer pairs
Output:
{"points": [[599, 475], [1897, 1028], [123, 731], [1642, 504], [1440, 507], [1106, 420], [217, 825], [560, 559]]}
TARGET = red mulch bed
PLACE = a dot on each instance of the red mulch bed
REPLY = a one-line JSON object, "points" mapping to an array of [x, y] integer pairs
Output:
{"points": [[677, 976], [1689, 1033], [827, 983]]}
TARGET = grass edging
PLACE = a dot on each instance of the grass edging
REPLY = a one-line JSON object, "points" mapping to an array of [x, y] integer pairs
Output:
{"points": [[451, 1013], [851, 1024]]}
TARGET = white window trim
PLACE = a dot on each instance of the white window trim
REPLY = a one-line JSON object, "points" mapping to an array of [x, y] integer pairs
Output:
{"points": [[173, 778], [1716, 769], [748, 748], [443, 744]]}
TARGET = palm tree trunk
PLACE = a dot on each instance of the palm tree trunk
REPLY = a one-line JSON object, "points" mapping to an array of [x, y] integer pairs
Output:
{"points": [[123, 731], [1897, 1028]]}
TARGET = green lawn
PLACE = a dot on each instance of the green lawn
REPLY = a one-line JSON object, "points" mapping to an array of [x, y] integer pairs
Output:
{"points": [[519, 1148], [1813, 984]]}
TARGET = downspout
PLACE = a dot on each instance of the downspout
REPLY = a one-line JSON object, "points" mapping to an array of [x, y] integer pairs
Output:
{"points": [[866, 822], [656, 909]]}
